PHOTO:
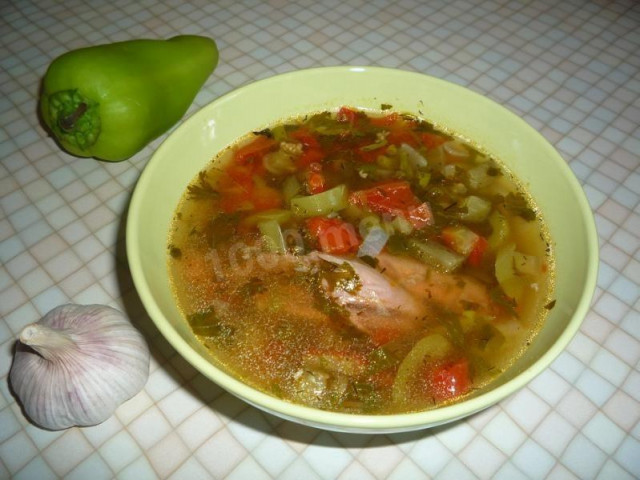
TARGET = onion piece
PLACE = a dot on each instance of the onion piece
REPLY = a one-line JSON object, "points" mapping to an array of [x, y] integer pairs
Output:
{"points": [[414, 156]]}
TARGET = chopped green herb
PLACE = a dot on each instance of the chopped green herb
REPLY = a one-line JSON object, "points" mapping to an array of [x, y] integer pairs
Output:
{"points": [[265, 133], [342, 277], [252, 287], [207, 324], [202, 189], [451, 323], [374, 146], [489, 337], [380, 359], [517, 204], [221, 228], [200, 318], [325, 124], [369, 260], [498, 296]]}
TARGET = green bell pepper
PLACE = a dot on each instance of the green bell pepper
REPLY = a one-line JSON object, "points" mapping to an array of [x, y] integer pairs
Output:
{"points": [[109, 101]]}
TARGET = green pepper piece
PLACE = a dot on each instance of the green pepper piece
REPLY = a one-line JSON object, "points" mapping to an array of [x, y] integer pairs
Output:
{"points": [[109, 101]]}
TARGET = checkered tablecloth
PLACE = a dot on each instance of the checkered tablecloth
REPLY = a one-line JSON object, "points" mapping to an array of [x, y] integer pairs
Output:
{"points": [[570, 68]]}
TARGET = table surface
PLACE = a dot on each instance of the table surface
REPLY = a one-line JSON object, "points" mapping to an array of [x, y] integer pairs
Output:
{"points": [[569, 68]]}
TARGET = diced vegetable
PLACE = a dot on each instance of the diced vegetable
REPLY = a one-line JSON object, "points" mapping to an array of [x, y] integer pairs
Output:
{"points": [[478, 177], [449, 171], [263, 196], [290, 188], [368, 223], [455, 151], [373, 243], [512, 284], [460, 239], [384, 121], [424, 178], [347, 115], [435, 254], [454, 332], [380, 360], [336, 361], [450, 380], [476, 256], [374, 171], [241, 189], [468, 320], [387, 162], [306, 138], [310, 156], [458, 188], [333, 235], [278, 215], [324, 203], [481, 332], [279, 163], [395, 198], [255, 149], [325, 124], [279, 133], [491, 339], [475, 209], [379, 143], [272, 235], [371, 155], [435, 156], [517, 204], [432, 140], [434, 346], [417, 160], [526, 264], [398, 136], [354, 214], [399, 225], [315, 182], [465, 242], [500, 229], [314, 385]]}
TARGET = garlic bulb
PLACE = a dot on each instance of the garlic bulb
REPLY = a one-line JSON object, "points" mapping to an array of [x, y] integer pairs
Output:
{"points": [[77, 365]]}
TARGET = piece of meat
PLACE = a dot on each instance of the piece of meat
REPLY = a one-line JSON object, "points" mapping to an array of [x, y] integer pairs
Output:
{"points": [[455, 292], [379, 307], [399, 295]]}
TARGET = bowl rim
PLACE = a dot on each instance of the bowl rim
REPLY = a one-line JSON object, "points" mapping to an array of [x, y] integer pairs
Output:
{"points": [[346, 422]]}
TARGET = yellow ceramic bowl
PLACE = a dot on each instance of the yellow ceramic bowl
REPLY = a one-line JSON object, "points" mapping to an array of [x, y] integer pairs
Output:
{"points": [[193, 144]]}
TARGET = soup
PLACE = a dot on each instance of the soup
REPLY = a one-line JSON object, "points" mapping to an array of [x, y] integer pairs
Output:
{"points": [[361, 262]]}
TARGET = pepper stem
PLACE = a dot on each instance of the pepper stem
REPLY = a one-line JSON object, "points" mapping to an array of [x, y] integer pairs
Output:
{"points": [[67, 123], [48, 342], [73, 118]]}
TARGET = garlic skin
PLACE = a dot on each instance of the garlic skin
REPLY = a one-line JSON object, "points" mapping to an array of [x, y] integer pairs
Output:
{"points": [[77, 365]]}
